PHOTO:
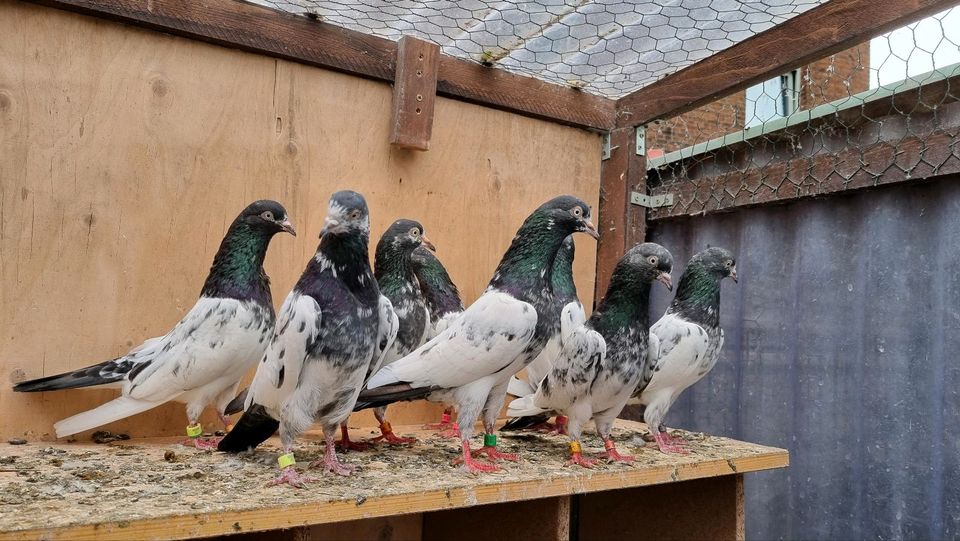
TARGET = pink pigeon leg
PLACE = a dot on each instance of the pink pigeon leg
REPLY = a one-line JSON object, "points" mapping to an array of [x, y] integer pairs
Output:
{"points": [[330, 463], [668, 444], [577, 458], [490, 449], [288, 474], [611, 454], [446, 421], [346, 445], [470, 464]]}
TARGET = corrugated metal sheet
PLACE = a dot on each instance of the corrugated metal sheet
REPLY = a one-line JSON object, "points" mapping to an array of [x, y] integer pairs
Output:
{"points": [[842, 345]]}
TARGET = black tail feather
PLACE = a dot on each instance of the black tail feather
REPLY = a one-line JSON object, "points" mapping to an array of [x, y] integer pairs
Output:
{"points": [[521, 423], [388, 394], [236, 405], [253, 428], [98, 374]]}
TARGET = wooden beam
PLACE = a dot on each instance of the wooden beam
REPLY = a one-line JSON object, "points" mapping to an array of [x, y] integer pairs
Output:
{"points": [[826, 29], [921, 149], [267, 31], [621, 224], [414, 93]]}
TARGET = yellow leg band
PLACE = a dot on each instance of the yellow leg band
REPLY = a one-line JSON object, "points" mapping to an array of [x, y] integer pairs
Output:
{"points": [[286, 460], [194, 431], [575, 447]]}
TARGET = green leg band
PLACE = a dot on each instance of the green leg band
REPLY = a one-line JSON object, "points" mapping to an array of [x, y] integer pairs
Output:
{"points": [[489, 440]]}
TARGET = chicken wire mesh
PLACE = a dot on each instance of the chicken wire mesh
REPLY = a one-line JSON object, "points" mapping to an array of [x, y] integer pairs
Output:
{"points": [[605, 47], [878, 112]]}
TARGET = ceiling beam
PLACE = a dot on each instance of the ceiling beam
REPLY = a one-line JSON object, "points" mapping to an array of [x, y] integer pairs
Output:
{"points": [[826, 29]]}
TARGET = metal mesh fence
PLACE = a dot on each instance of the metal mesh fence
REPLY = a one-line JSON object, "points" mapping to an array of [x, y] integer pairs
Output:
{"points": [[882, 111], [606, 47]]}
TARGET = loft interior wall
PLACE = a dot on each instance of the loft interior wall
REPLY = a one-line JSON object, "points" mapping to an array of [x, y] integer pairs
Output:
{"points": [[125, 154]]}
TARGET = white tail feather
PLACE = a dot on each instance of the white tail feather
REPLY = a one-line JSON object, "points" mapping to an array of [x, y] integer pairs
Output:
{"points": [[119, 408], [524, 406], [518, 387]]}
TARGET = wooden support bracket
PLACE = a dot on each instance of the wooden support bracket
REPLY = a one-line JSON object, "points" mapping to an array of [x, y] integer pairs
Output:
{"points": [[414, 93]]}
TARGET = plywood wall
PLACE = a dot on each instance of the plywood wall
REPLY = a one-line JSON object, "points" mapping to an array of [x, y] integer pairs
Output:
{"points": [[124, 155]]}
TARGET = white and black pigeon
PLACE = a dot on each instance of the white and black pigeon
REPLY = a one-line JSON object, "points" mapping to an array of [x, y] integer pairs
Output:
{"points": [[470, 363], [445, 305], [571, 317], [393, 269], [603, 360], [201, 361], [690, 339], [332, 327]]}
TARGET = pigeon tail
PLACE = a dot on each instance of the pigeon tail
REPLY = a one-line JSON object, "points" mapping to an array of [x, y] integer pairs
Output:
{"points": [[98, 374], [383, 396], [253, 428], [236, 405], [114, 410], [517, 387], [524, 406], [521, 423]]}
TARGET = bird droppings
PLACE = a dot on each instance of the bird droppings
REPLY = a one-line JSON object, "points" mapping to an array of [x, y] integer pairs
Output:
{"points": [[17, 441], [105, 436], [64, 485]]}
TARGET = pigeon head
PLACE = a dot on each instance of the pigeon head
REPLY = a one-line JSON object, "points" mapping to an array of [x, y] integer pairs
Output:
{"points": [[717, 260], [627, 300], [346, 214], [651, 262], [569, 214], [268, 216], [405, 236]]}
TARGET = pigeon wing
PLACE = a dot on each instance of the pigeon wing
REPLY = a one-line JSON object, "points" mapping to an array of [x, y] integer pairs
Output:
{"points": [[297, 330], [486, 339]]}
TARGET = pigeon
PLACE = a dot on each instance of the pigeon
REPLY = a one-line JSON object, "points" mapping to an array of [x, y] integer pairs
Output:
{"points": [[603, 360], [571, 317], [689, 340], [445, 305], [331, 328], [202, 360], [393, 270], [470, 363]]}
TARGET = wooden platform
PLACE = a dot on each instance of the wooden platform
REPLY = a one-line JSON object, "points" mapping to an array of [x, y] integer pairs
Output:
{"points": [[159, 489]]}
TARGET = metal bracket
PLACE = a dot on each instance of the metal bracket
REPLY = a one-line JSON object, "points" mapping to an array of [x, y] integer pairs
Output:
{"points": [[607, 149], [651, 201], [641, 140]]}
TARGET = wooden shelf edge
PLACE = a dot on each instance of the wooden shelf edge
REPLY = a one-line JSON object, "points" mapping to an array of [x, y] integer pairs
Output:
{"points": [[273, 518]]}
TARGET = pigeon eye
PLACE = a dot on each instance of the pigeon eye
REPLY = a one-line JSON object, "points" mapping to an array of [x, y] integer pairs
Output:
{"points": [[355, 214], [267, 215], [653, 260], [414, 232], [728, 264], [576, 211]]}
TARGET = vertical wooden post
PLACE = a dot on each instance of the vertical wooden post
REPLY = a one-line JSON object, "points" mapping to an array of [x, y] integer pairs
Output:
{"points": [[414, 93], [621, 224]]}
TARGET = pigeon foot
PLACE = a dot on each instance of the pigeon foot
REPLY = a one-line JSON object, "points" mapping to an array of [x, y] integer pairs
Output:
{"points": [[452, 432], [387, 435], [493, 455], [666, 444], [577, 459], [446, 422], [471, 465], [290, 476], [345, 445]]}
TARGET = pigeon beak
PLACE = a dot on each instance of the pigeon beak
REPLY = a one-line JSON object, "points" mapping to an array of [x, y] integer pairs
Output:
{"points": [[328, 224], [426, 242], [590, 229], [664, 278], [287, 226], [733, 273]]}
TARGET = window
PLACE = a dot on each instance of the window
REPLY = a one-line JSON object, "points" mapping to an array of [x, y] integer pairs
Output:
{"points": [[775, 98]]}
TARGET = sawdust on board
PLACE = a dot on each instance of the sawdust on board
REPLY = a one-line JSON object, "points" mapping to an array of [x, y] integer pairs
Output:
{"points": [[61, 485]]}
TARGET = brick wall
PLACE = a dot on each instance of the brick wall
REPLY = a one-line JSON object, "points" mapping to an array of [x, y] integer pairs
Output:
{"points": [[822, 81]]}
